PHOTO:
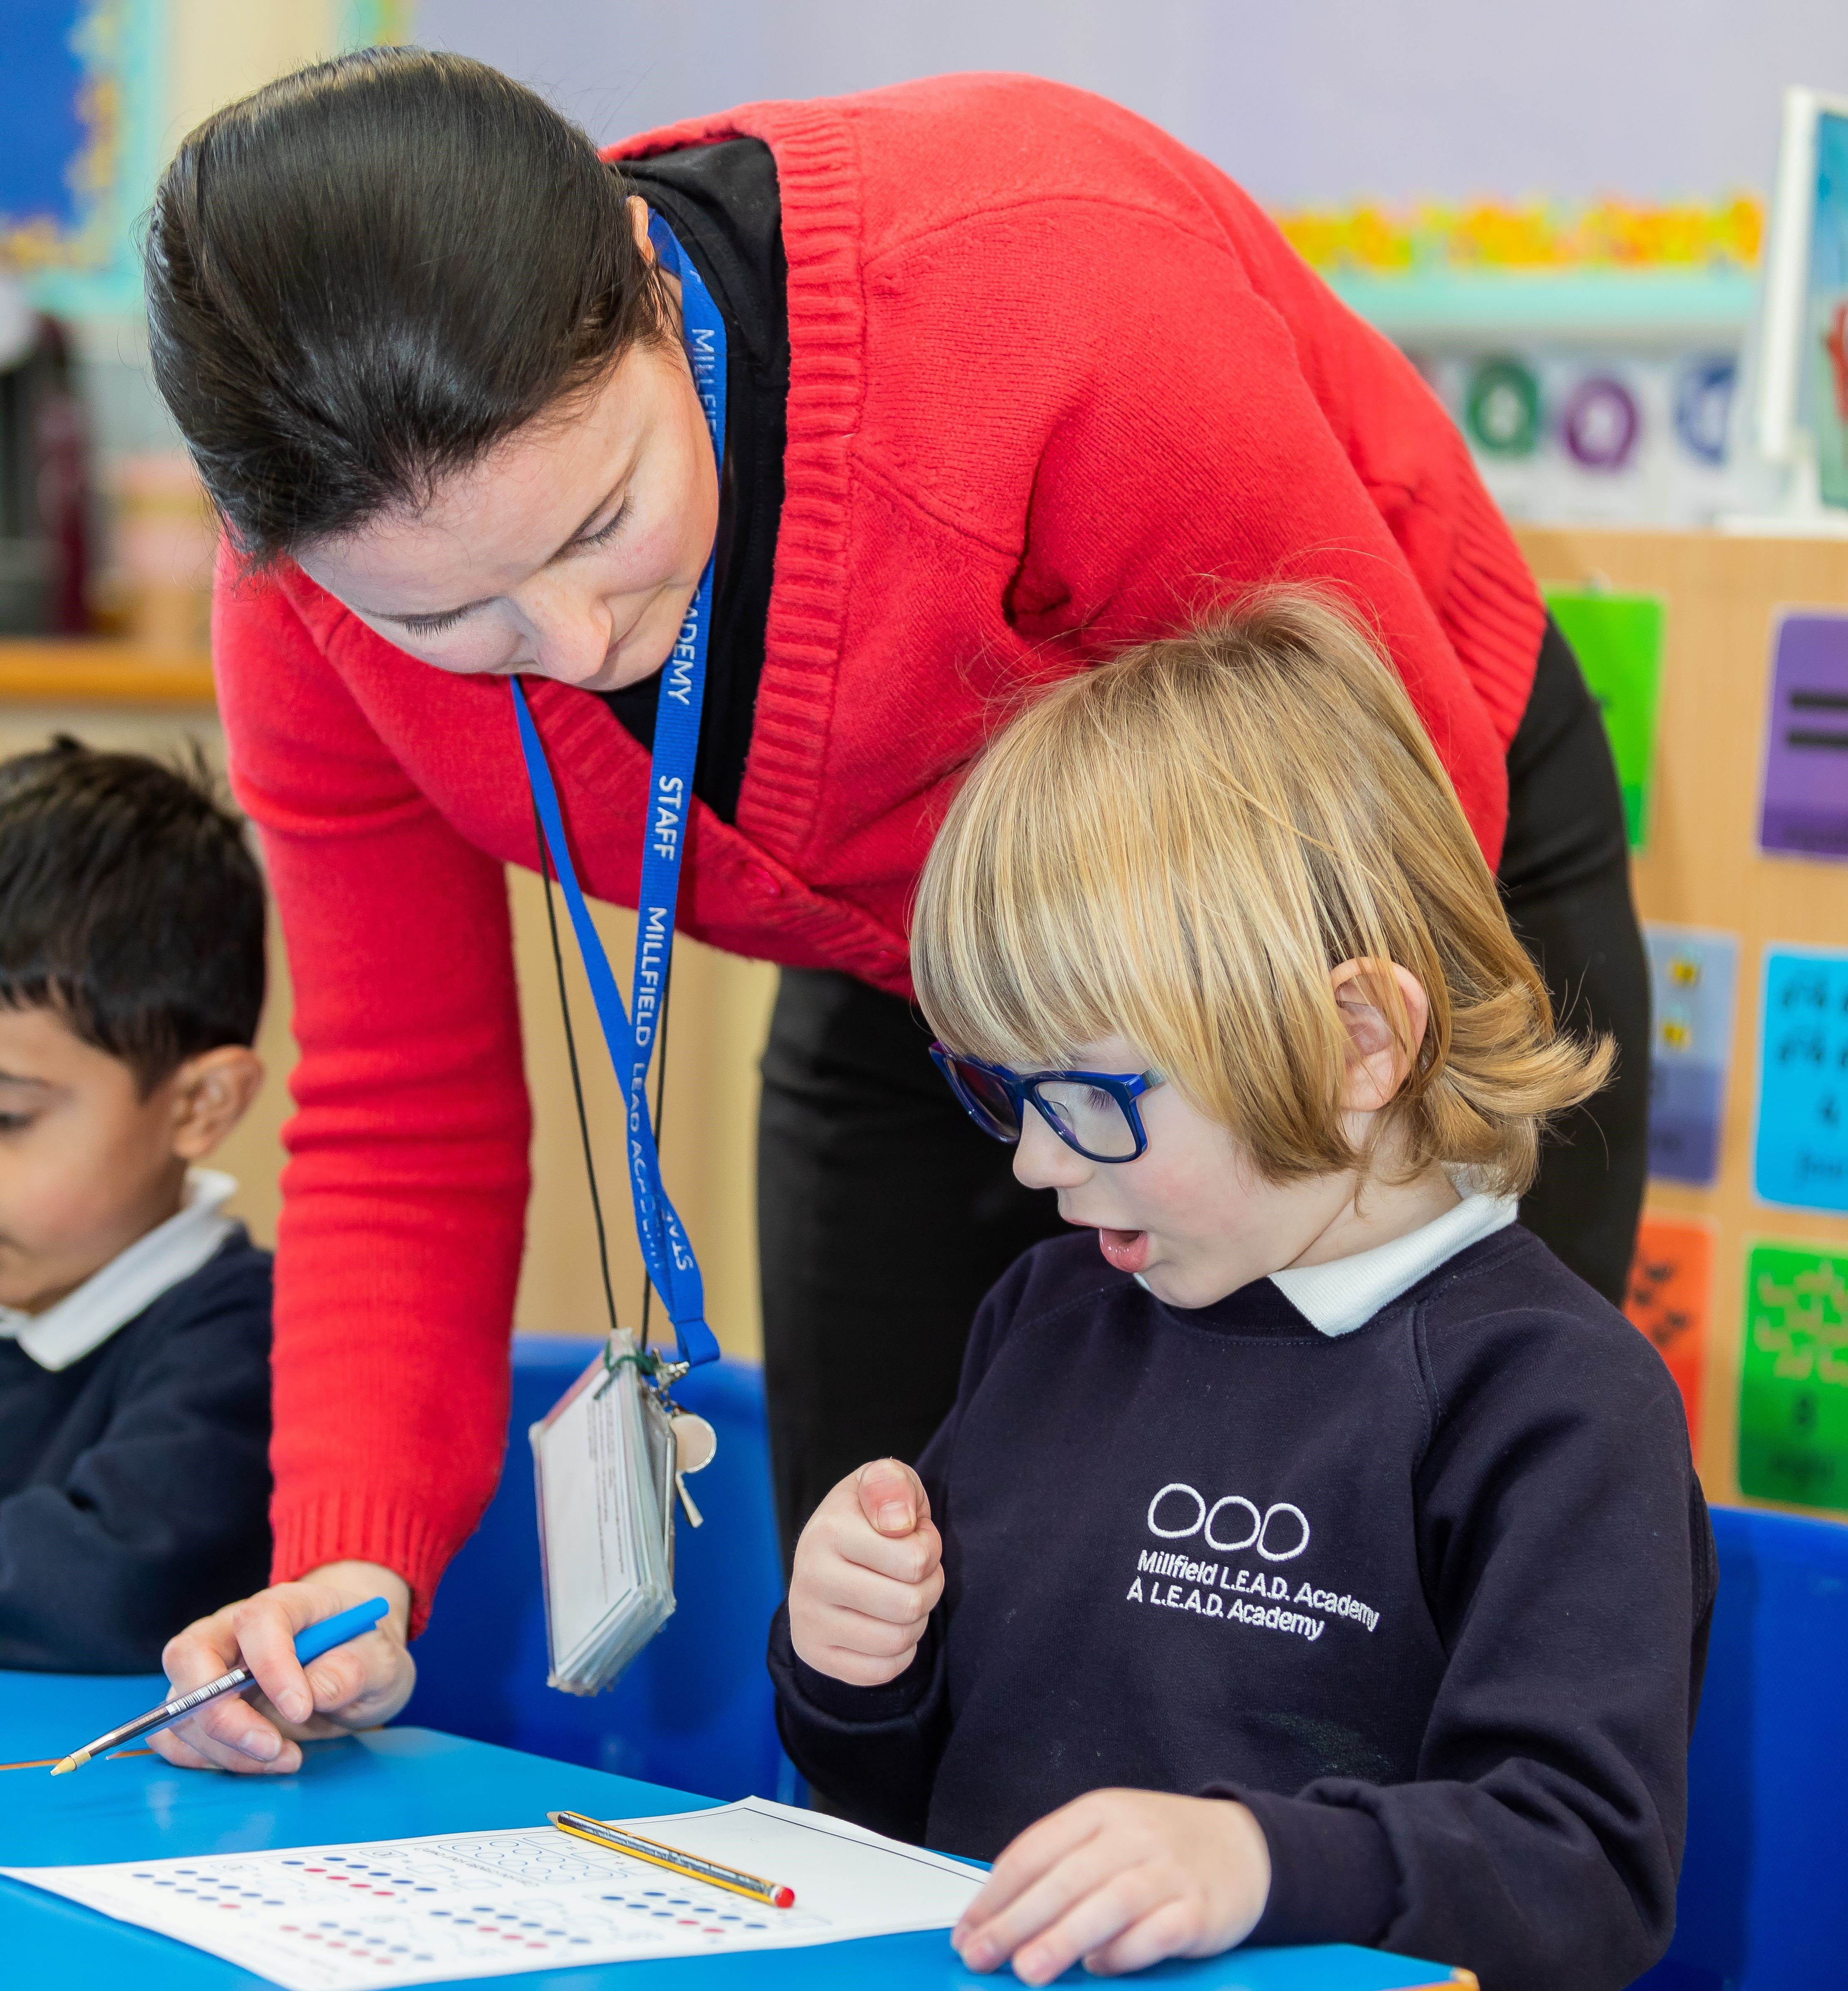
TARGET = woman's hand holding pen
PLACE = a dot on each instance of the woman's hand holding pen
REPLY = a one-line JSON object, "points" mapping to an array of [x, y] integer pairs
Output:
{"points": [[869, 1571], [1119, 1879], [358, 1685]]}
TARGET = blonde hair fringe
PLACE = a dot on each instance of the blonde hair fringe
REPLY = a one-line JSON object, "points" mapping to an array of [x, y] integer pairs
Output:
{"points": [[1178, 845]]}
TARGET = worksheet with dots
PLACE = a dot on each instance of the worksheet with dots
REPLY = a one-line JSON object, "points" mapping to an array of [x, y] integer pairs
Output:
{"points": [[488, 1904]]}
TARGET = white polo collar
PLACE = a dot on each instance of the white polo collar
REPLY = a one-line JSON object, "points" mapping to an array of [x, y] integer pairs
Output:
{"points": [[131, 1281], [1345, 1293]]}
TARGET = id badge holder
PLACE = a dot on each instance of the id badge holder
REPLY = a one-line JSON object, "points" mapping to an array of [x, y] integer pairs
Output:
{"points": [[606, 1468]]}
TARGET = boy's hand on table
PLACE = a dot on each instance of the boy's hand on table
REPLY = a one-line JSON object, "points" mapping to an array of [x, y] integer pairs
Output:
{"points": [[1120, 1879], [869, 1571], [358, 1685]]}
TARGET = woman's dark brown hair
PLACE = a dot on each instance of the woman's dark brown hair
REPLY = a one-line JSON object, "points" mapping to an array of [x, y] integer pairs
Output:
{"points": [[364, 275]]}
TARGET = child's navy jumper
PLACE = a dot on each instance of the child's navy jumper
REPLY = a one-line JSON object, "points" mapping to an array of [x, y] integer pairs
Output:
{"points": [[134, 1484], [1430, 1597]]}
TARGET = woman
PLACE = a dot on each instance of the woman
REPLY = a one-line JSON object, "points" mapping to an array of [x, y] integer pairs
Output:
{"points": [[1014, 380]]}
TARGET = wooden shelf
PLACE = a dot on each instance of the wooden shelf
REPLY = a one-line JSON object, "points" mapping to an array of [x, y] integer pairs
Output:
{"points": [[1627, 307], [100, 671]]}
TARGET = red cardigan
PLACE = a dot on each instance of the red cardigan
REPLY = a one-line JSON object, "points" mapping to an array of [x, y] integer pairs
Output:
{"points": [[1055, 382]]}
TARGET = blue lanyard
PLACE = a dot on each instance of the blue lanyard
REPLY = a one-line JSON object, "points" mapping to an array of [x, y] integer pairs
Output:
{"points": [[631, 1034]]}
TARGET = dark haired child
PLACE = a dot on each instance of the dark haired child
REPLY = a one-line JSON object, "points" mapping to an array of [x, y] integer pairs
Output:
{"points": [[135, 1316]]}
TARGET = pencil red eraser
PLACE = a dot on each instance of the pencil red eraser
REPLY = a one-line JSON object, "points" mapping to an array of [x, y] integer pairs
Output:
{"points": [[783, 1898]]}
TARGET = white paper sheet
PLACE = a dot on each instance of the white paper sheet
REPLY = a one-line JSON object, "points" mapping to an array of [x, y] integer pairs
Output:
{"points": [[488, 1904]]}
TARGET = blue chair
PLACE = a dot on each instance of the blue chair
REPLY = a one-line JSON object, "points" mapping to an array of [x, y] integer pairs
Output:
{"points": [[694, 1710], [1763, 1902]]}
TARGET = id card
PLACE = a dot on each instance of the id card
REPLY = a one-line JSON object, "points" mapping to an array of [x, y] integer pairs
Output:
{"points": [[604, 1460]]}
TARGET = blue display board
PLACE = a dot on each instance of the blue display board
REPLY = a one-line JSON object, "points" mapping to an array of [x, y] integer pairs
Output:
{"points": [[49, 118], [86, 102]]}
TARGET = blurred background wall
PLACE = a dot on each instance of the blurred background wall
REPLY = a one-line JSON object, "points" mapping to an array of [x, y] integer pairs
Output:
{"points": [[1314, 101]]}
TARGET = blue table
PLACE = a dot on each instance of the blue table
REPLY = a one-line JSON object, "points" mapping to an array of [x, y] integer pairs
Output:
{"points": [[400, 1783]]}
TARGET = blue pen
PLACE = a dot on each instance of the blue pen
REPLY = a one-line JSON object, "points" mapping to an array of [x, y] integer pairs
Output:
{"points": [[309, 1645]]}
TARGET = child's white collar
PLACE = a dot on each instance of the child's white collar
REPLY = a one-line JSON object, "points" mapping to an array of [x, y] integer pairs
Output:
{"points": [[1345, 1293], [132, 1280]]}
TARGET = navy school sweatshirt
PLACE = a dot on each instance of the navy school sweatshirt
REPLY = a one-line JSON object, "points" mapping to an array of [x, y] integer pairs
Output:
{"points": [[1430, 1597], [135, 1486]]}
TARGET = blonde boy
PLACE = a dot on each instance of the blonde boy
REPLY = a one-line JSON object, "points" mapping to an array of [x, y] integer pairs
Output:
{"points": [[1309, 1556]]}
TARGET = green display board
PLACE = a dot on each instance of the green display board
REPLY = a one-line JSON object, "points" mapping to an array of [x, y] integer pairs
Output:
{"points": [[1793, 1385], [1619, 640]]}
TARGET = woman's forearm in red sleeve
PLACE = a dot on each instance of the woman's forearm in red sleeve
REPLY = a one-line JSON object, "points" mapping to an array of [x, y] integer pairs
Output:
{"points": [[406, 1184]]}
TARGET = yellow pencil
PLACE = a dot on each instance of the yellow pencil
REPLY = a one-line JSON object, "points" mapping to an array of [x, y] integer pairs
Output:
{"points": [[615, 1839], [49, 1762]]}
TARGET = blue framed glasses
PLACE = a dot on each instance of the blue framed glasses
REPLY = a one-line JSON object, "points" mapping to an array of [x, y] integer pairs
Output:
{"points": [[1094, 1112]]}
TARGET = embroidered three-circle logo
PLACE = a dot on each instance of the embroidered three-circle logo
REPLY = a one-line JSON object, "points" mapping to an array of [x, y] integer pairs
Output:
{"points": [[1205, 1520]]}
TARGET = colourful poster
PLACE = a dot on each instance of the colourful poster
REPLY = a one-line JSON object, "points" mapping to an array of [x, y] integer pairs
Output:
{"points": [[1793, 1385], [1670, 1298], [1619, 640], [1804, 805], [1827, 369], [1691, 976], [1800, 1156]]}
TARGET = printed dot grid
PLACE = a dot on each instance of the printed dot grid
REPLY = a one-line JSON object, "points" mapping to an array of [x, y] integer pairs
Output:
{"points": [[367, 1921]]}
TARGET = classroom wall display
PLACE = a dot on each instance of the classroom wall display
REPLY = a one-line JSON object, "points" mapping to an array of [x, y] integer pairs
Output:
{"points": [[1702, 876], [1803, 810], [1793, 1384], [84, 110], [1597, 433], [1619, 640], [1670, 1299], [1692, 975], [1800, 1156]]}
